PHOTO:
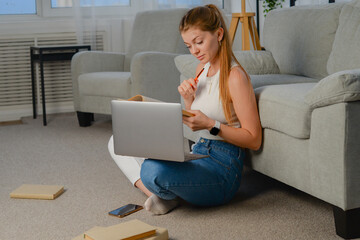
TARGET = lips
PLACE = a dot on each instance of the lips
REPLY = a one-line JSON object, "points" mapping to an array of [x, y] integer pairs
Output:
{"points": [[200, 57]]}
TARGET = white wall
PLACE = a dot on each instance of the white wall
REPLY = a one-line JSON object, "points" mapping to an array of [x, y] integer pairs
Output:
{"points": [[117, 34], [114, 40]]}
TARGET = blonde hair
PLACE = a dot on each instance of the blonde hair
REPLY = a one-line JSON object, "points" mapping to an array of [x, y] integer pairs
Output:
{"points": [[209, 18]]}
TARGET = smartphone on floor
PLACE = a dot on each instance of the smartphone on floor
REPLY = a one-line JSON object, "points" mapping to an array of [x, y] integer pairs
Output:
{"points": [[125, 210]]}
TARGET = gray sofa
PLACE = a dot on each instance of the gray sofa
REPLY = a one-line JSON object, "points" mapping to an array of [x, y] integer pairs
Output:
{"points": [[148, 67], [307, 82]]}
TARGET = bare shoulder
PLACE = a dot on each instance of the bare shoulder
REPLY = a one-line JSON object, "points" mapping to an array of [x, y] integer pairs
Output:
{"points": [[238, 78]]}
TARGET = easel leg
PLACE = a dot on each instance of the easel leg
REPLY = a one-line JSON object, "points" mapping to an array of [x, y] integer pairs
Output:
{"points": [[245, 32], [254, 35], [233, 27]]}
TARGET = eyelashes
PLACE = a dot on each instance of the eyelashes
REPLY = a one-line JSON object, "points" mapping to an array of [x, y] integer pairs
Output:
{"points": [[198, 43]]}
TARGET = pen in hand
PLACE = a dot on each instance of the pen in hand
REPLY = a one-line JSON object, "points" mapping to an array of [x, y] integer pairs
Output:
{"points": [[196, 79]]}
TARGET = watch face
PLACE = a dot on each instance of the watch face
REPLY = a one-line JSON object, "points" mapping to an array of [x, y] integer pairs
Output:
{"points": [[214, 131]]}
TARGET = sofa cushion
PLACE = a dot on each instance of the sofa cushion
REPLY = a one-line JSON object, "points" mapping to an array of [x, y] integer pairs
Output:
{"points": [[257, 62], [300, 38], [186, 64], [109, 84], [156, 31], [346, 48], [276, 79], [254, 62], [282, 108], [339, 87]]}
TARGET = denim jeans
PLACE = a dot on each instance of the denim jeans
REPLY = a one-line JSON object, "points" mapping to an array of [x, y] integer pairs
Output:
{"points": [[208, 181]]}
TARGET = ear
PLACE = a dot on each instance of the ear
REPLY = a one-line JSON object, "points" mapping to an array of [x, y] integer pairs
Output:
{"points": [[220, 34]]}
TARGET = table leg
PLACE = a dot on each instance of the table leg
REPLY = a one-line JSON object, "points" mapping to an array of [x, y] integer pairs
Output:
{"points": [[33, 85], [43, 90]]}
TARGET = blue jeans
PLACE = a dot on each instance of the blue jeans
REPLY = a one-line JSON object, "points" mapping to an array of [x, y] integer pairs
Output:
{"points": [[207, 181]]}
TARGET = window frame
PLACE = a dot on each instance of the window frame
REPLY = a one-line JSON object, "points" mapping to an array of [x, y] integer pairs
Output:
{"points": [[44, 10], [48, 11]]}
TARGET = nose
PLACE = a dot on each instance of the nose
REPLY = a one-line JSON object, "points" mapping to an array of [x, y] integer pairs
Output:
{"points": [[194, 50]]}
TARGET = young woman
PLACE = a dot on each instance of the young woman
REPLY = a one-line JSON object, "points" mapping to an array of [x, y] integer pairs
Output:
{"points": [[226, 117]]}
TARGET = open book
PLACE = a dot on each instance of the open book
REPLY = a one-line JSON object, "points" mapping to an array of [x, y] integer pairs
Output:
{"points": [[141, 98]]}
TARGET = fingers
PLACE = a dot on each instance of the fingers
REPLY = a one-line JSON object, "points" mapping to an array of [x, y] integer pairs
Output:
{"points": [[193, 122], [187, 88]]}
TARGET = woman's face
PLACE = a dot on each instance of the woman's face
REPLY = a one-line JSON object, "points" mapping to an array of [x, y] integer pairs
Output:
{"points": [[202, 44]]}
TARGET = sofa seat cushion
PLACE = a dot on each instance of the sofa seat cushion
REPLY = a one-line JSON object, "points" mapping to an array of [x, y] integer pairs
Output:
{"points": [[109, 84], [276, 79], [282, 108]]}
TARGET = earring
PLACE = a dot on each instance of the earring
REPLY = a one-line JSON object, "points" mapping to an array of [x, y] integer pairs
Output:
{"points": [[220, 43]]}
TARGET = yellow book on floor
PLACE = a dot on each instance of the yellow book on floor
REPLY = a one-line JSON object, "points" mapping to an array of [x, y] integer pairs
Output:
{"points": [[161, 234], [131, 230], [82, 236], [32, 191]]}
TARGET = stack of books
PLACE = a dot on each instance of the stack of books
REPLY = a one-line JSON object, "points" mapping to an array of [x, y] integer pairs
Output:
{"points": [[131, 230]]}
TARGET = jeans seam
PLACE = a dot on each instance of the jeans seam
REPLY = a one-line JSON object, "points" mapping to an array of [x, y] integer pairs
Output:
{"points": [[222, 164], [193, 185], [232, 187], [227, 151]]}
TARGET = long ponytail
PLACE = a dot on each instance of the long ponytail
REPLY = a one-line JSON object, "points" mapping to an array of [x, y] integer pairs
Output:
{"points": [[209, 18]]}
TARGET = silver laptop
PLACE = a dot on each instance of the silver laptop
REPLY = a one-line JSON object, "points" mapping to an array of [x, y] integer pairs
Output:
{"points": [[150, 130]]}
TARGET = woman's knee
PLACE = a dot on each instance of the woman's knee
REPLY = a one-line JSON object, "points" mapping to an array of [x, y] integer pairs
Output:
{"points": [[150, 172]]}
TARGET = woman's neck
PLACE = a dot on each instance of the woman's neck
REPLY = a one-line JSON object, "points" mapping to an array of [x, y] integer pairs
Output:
{"points": [[214, 67]]}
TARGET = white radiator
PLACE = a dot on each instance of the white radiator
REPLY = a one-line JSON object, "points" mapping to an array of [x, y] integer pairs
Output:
{"points": [[15, 75]]}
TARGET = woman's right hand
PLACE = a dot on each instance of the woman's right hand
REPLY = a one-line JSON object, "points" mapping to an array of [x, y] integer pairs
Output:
{"points": [[187, 90]]}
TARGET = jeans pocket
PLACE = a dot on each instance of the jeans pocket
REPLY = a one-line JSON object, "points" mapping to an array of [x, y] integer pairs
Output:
{"points": [[220, 157]]}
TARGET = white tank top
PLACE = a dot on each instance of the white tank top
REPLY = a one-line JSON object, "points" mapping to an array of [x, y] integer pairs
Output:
{"points": [[207, 100]]}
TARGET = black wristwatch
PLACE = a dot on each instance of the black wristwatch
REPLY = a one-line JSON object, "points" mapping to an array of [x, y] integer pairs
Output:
{"points": [[216, 129]]}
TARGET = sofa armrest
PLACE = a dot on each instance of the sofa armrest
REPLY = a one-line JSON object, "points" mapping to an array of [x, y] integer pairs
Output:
{"points": [[257, 62], [339, 87], [154, 74], [96, 61], [93, 61], [186, 64]]}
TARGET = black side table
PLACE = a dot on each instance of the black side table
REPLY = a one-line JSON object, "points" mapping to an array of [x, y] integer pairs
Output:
{"points": [[46, 54]]}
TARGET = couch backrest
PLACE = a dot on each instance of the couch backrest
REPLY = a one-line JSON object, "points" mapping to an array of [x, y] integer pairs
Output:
{"points": [[301, 38], [156, 31], [345, 53]]}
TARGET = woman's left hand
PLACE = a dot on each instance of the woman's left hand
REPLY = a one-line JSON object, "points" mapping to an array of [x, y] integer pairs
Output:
{"points": [[199, 121]]}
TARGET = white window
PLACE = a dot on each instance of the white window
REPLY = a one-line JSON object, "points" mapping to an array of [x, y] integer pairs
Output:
{"points": [[24, 9], [190, 3], [16, 7], [89, 3]]}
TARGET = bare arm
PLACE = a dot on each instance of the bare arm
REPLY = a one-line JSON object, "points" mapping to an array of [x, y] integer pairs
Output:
{"points": [[244, 101]]}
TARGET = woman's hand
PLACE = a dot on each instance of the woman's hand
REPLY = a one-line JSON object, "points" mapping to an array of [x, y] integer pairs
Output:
{"points": [[187, 90], [199, 121]]}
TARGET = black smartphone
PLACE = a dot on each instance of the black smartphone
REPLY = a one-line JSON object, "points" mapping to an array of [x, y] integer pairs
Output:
{"points": [[125, 210]]}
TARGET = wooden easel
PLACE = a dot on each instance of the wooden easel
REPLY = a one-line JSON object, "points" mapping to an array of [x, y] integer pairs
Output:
{"points": [[248, 26]]}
